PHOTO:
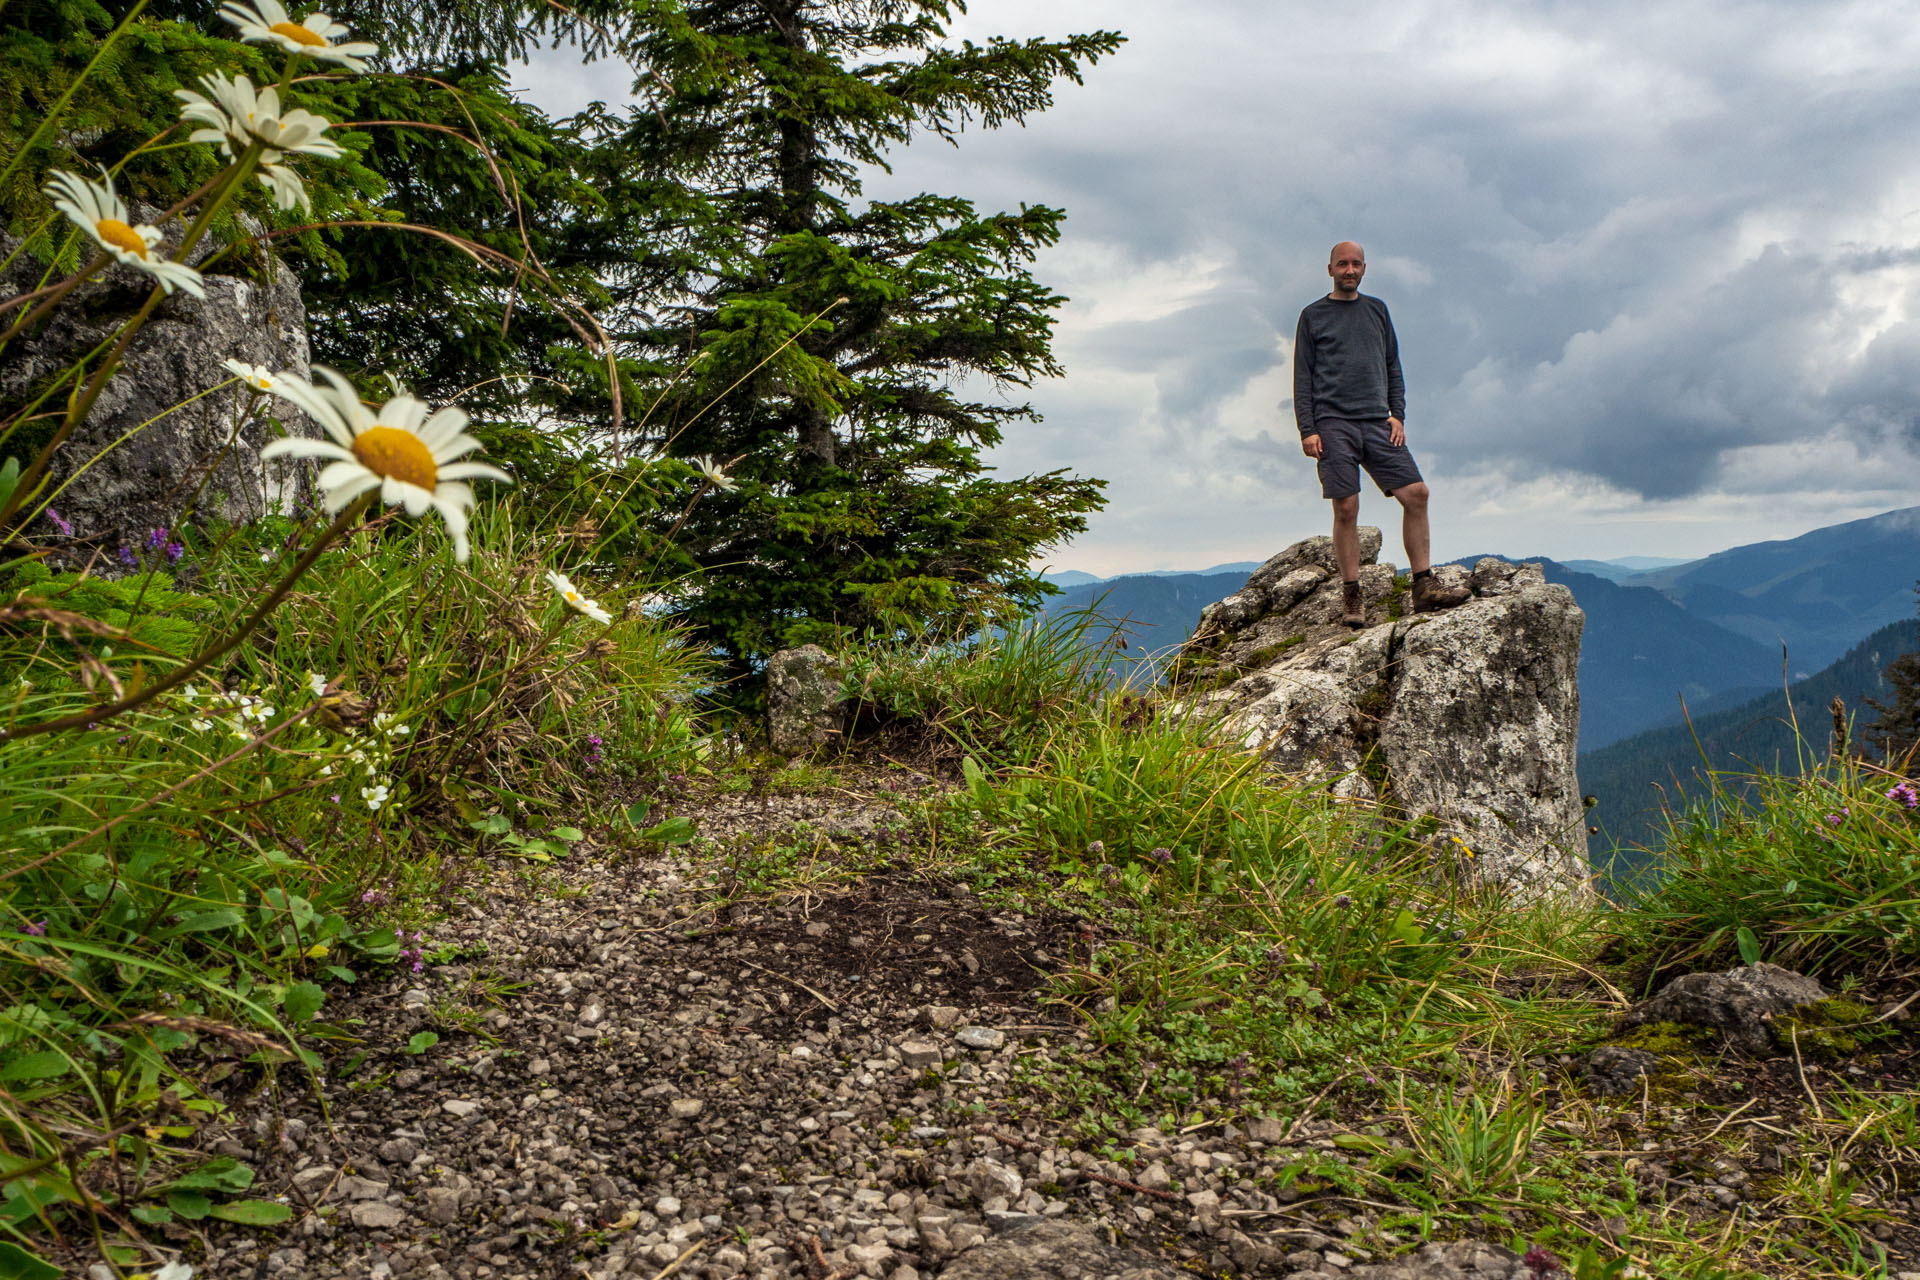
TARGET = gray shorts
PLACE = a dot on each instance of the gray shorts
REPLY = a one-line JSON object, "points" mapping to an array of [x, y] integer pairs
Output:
{"points": [[1345, 447]]}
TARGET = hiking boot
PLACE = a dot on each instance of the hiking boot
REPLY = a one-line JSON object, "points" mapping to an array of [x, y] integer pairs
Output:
{"points": [[1353, 609], [1430, 595]]}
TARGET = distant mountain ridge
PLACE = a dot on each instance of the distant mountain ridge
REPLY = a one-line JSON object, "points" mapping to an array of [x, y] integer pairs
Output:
{"points": [[1818, 593]]}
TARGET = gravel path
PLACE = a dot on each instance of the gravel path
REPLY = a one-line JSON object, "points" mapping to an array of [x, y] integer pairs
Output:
{"points": [[636, 1076]]}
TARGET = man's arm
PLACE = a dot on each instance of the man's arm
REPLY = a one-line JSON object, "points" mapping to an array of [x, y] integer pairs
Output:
{"points": [[1396, 384], [1303, 415]]}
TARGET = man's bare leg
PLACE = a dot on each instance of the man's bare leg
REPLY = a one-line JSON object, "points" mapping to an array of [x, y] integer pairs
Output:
{"points": [[1346, 554], [1346, 536], [1415, 533]]}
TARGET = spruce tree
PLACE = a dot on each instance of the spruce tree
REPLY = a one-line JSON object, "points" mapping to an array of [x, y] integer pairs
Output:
{"points": [[1896, 734], [840, 357]]}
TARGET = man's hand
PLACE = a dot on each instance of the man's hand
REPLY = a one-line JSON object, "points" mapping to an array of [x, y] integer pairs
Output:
{"points": [[1310, 445], [1396, 432]]}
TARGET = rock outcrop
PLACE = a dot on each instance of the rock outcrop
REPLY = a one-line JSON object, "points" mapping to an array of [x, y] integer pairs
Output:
{"points": [[806, 703], [154, 445], [1470, 715]]}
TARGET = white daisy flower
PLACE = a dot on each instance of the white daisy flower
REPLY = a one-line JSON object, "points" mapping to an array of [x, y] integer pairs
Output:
{"points": [[374, 796], [404, 451], [201, 726], [238, 115], [259, 377], [313, 35], [715, 475], [561, 583], [317, 683], [101, 213]]}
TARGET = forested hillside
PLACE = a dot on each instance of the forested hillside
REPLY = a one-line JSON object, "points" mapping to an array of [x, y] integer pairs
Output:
{"points": [[1631, 778]]}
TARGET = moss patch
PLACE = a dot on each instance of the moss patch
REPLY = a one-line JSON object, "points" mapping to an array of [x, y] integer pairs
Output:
{"points": [[1668, 1039], [1831, 1028], [1261, 657]]}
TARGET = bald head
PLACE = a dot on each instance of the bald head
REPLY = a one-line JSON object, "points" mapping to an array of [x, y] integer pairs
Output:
{"points": [[1347, 264]]}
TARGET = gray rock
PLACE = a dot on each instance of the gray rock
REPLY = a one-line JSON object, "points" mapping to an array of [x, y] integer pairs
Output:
{"points": [[443, 1205], [1470, 715], [686, 1108], [315, 1180], [980, 1037], [376, 1215], [1266, 1129], [942, 1016], [988, 1179], [353, 1187], [1740, 1003], [459, 1107], [145, 482], [920, 1054], [806, 703], [1614, 1069], [1056, 1251]]}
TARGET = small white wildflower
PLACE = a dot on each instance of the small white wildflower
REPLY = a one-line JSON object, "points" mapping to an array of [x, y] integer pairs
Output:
{"points": [[200, 726], [317, 683], [258, 377], [102, 214], [406, 453], [238, 115], [374, 796], [175, 1270], [266, 21], [715, 474], [561, 583]]}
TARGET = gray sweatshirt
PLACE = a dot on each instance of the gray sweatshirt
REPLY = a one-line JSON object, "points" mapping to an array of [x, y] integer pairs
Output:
{"points": [[1346, 364]]}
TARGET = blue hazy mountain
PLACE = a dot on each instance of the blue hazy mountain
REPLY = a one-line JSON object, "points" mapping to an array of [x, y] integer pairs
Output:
{"points": [[1818, 594], [1623, 568]]}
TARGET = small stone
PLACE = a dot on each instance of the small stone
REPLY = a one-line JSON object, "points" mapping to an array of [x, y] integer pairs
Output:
{"points": [[593, 1013], [1154, 1177], [459, 1107], [399, 1150], [376, 1215], [1266, 1130], [1203, 1201], [443, 1205], [539, 1067], [686, 1108], [872, 1259], [667, 1207], [942, 1016], [407, 1079], [980, 1037], [920, 1054], [357, 1188], [1338, 1261], [989, 1179], [1001, 1221]]}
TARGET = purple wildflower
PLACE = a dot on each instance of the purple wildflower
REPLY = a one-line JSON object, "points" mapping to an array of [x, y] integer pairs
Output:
{"points": [[1343, 902], [1904, 795], [174, 552], [157, 539], [127, 557], [1539, 1261], [1162, 855], [60, 522], [1096, 848], [36, 930]]}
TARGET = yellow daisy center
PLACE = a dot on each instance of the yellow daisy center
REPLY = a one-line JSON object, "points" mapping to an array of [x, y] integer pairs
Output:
{"points": [[121, 236], [398, 455], [299, 34]]}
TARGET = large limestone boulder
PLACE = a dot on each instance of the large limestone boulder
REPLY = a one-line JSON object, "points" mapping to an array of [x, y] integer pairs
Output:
{"points": [[1469, 715], [156, 449]]}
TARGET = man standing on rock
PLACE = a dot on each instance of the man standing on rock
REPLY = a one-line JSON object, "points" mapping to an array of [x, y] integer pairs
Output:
{"points": [[1351, 404]]}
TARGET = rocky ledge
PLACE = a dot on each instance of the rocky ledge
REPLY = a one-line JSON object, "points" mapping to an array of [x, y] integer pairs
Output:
{"points": [[1470, 716]]}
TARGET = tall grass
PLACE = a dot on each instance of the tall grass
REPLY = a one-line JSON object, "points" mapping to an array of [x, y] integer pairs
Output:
{"points": [[1819, 872], [997, 695]]}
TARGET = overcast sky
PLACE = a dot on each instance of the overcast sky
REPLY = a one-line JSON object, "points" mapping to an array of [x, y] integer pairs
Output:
{"points": [[1655, 268]]}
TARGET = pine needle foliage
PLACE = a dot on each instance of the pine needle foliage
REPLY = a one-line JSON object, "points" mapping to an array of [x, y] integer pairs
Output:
{"points": [[1896, 734], [841, 351]]}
